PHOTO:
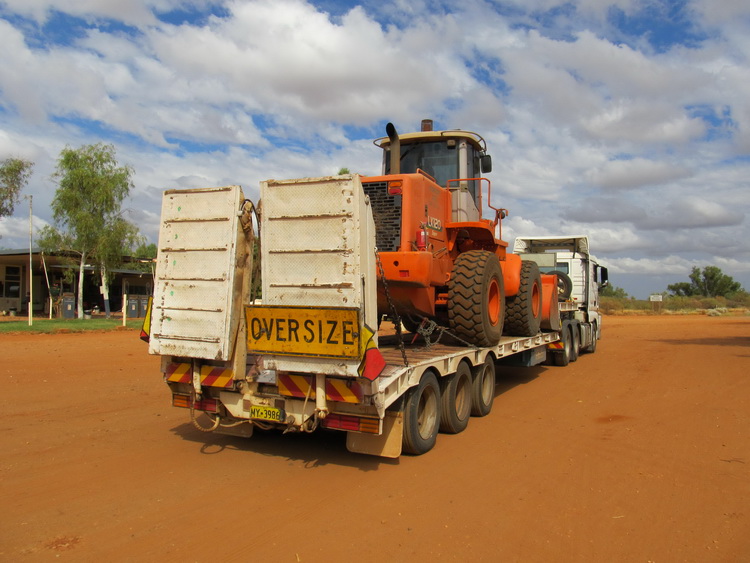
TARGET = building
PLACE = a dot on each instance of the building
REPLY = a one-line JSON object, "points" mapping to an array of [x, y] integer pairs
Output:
{"points": [[48, 283]]}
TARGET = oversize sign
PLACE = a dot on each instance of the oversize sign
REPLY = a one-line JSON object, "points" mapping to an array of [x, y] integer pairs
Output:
{"points": [[303, 331]]}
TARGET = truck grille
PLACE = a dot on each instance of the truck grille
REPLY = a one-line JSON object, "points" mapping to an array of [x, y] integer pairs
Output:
{"points": [[386, 211]]}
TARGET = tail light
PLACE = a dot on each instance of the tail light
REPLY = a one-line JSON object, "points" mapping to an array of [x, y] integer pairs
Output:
{"points": [[351, 423]]}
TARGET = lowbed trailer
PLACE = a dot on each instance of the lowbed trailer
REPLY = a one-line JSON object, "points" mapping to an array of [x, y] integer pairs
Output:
{"points": [[309, 355]]}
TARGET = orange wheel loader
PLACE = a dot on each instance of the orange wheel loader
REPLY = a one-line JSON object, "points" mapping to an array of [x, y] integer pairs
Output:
{"points": [[439, 258]]}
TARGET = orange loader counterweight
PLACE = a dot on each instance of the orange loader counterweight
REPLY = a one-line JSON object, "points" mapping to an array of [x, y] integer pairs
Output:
{"points": [[440, 258]]}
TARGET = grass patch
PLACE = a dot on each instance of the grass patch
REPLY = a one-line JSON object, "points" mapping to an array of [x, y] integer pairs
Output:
{"points": [[43, 326]]}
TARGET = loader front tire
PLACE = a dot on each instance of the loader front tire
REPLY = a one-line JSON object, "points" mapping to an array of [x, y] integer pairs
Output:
{"points": [[476, 298], [524, 310]]}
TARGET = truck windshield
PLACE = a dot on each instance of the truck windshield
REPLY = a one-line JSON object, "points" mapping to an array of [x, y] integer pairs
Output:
{"points": [[437, 159]]}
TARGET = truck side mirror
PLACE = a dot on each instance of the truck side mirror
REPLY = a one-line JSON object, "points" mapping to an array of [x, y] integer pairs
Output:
{"points": [[485, 161]]}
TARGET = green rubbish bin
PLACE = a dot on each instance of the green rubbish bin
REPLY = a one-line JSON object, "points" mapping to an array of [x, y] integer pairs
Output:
{"points": [[68, 307], [134, 307]]}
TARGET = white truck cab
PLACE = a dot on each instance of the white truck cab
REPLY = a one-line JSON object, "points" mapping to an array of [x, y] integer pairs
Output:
{"points": [[580, 277]]}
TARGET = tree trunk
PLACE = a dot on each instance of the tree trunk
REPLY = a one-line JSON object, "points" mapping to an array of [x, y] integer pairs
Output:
{"points": [[105, 289], [80, 285]]}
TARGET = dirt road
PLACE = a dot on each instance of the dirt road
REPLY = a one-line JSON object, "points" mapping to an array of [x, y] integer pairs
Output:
{"points": [[639, 452]]}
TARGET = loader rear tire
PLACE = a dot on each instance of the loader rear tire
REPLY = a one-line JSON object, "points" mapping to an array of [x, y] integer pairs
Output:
{"points": [[455, 404], [524, 310], [422, 416], [476, 298]]}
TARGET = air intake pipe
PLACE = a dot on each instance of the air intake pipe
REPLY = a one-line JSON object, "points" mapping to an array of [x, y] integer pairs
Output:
{"points": [[390, 130]]}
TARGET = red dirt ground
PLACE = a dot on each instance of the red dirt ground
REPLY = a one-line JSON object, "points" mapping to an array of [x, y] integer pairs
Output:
{"points": [[640, 452]]}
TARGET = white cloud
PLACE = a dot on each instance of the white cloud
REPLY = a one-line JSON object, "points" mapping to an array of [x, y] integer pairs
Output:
{"points": [[644, 151], [634, 173]]}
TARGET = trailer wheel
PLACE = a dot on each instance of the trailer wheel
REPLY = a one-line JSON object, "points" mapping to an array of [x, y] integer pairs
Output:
{"points": [[562, 358], [422, 415], [483, 387], [524, 310], [455, 403], [476, 298], [564, 285], [575, 342]]}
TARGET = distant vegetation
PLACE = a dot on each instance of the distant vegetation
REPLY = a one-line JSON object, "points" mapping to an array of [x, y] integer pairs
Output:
{"points": [[709, 290]]}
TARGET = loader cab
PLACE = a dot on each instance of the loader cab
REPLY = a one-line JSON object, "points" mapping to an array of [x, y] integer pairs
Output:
{"points": [[454, 159]]}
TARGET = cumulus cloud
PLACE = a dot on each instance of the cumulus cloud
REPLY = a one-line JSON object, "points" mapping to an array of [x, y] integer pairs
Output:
{"points": [[635, 173], [591, 128]]}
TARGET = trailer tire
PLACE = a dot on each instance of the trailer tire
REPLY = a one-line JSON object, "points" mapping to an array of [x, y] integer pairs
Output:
{"points": [[476, 298], [564, 285], [422, 415], [524, 310], [562, 358], [455, 400], [483, 387]]}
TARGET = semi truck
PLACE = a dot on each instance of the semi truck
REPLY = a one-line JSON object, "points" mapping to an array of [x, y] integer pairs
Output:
{"points": [[267, 316], [580, 277]]}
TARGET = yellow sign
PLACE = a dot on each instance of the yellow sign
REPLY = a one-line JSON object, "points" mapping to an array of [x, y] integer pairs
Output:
{"points": [[303, 331]]}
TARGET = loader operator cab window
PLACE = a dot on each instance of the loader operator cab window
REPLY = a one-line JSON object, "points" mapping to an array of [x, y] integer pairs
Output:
{"points": [[439, 159]]}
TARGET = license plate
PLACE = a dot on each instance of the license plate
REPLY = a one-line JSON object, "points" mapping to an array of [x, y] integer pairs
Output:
{"points": [[303, 331], [271, 414]]}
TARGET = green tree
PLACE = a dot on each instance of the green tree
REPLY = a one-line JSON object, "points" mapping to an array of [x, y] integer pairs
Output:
{"points": [[613, 291], [710, 282], [343, 171], [144, 255], [87, 211], [14, 175]]}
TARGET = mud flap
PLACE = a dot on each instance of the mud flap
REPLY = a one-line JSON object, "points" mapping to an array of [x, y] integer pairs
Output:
{"points": [[241, 430], [388, 444]]}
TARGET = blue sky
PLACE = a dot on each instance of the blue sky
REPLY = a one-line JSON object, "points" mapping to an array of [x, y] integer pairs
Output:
{"points": [[626, 120]]}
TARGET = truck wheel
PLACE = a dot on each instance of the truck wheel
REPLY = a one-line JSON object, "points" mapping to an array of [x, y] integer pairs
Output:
{"points": [[476, 298], [422, 415], [455, 403], [575, 342], [483, 387], [591, 348], [562, 358], [524, 310], [564, 285]]}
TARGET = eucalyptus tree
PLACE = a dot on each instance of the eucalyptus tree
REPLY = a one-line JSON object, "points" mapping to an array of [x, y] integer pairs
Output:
{"points": [[87, 211], [14, 175]]}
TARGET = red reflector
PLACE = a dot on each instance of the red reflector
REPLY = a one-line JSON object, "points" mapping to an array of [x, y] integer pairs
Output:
{"points": [[351, 423], [208, 405], [403, 273]]}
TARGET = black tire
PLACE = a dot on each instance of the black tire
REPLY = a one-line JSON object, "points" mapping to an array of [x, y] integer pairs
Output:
{"points": [[562, 358], [591, 348], [564, 285], [422, 416], [575, 342], [455, 400], [476, 298], [524, 310], [483, 387]]}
